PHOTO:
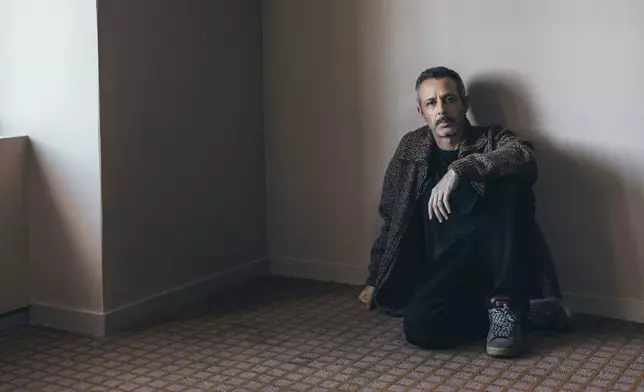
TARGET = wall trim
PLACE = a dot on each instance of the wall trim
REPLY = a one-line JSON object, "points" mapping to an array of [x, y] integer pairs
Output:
{"points": [[612, 307], [14, 319], [168, 303], [149, 309], [327, 271], [85, 322]]}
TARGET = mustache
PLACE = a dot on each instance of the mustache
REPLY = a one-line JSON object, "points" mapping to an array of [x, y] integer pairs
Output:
{"points": [[444, 119]]}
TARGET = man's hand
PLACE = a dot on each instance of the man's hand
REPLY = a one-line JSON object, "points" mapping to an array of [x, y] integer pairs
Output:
{"points": [[439, 199], [366, 296]]}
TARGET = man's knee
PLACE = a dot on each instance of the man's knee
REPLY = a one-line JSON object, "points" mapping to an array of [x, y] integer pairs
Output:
{"points": [[445, 329], [510, 186], [427, 332], [510, 193]]}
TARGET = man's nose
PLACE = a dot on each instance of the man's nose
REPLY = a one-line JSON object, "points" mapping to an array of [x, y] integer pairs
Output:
{"points": [[440, 108]]}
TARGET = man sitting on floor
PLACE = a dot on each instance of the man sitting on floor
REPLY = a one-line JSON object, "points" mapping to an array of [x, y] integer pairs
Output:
{"points": [[460, 253]]}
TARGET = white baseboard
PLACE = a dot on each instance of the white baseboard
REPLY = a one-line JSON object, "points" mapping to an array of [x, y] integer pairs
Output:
{"points": [[319, 270], [14, 319], [79, 321], [170, 302], [149, 309], [611, 307]]}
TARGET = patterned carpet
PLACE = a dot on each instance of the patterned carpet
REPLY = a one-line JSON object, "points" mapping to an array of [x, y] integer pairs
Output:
{"points": [[292, 335]]}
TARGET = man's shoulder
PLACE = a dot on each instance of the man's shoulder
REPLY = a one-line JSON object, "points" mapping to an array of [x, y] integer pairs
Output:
{"points": [[491, 130], [413, 145], [415, 135], [484, 134]]}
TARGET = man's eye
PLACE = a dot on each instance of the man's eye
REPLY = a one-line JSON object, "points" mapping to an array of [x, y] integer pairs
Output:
{"points": [[431, 103]]}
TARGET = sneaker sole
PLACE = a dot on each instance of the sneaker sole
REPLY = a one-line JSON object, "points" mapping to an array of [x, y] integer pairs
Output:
{"points": [[502, 352], [569, 317], [569, 313]]}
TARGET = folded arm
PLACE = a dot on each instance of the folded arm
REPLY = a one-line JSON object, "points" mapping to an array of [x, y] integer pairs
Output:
{"points": [[511, 156]]}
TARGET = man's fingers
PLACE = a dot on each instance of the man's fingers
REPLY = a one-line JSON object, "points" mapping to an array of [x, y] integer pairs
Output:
{"points": [[442, 209], [430, 207], [434, 208], [442, 206], [364, 298], [446, 203], [437, 211], [439, 207]]}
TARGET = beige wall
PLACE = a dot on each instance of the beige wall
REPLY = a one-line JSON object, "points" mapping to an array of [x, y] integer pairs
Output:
{"points": [[339, 95], [182, 147], [14, 224], [317, 198], [182, 143], [49, 91]]}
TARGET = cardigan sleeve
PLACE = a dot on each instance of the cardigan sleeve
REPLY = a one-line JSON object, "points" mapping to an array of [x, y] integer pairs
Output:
{"points": [[385, 208], [510, 155]]}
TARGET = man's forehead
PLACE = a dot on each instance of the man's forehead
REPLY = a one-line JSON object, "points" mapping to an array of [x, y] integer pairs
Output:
{"points": [[434, 87]]}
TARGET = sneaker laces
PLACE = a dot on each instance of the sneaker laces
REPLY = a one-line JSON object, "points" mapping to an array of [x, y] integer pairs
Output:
{"points": [[503, 322]]}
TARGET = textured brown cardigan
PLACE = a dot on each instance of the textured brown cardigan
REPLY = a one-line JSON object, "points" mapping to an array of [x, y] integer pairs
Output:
{"points": [[486, 153]]}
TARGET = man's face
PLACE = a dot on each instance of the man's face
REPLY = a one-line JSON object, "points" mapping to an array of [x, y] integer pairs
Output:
{"points": [[442, 108]]}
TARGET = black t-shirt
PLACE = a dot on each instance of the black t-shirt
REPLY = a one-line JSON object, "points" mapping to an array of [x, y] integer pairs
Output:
{"points": [[453, 237], [448, 156]]}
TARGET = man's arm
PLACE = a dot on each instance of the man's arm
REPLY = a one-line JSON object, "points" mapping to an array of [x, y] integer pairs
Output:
{"points": [[384, 209], [512, 156]]}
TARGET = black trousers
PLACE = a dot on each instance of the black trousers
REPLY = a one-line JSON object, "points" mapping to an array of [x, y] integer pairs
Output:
{"points": [[481, 253]]}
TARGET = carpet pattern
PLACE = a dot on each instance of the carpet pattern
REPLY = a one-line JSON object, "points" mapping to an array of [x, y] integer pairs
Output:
{"points": [[284, 334]]}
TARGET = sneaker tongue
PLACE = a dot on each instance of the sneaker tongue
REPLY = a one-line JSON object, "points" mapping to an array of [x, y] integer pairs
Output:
{"points": [[499, 302]]}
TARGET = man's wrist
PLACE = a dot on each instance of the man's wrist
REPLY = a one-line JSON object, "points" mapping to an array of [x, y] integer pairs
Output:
{"points": [[461, 168], [453, 173]]}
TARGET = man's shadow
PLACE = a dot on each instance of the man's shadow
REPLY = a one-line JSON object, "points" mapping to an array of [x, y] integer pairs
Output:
{"points": [[582, 204]]}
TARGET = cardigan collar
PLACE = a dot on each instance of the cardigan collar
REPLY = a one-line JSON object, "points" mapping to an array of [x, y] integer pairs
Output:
{"points": [[423, 143]]}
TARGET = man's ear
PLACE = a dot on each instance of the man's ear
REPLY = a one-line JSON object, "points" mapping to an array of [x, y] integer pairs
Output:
{"points": [[466, 103], [419, 109]]}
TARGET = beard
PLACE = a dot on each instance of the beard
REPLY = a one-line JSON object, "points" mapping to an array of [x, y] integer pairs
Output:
{"points": [[446, 127]]}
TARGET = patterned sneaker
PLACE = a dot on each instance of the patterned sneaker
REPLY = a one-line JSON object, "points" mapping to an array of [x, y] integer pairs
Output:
{"points": [[505, 336], [549, 314]]}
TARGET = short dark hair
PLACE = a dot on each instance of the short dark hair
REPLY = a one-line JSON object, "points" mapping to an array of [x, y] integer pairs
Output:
{"points": [[440, 73]]}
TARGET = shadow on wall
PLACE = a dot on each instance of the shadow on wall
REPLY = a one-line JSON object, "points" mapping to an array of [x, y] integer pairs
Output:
{"points": [[56, 255], [582, 203]]}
